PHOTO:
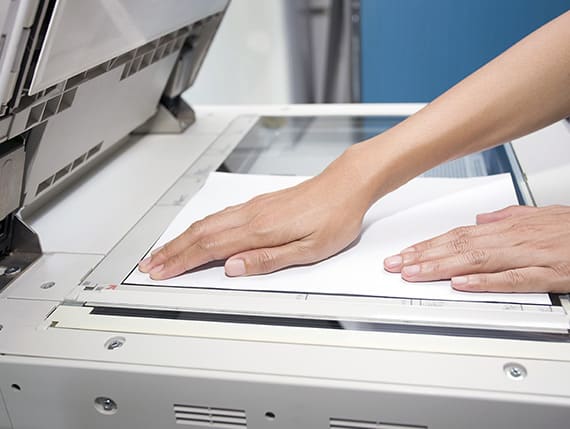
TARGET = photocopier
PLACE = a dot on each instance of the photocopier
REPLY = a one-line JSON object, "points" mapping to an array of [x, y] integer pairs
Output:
{"points": [[100, 149]]}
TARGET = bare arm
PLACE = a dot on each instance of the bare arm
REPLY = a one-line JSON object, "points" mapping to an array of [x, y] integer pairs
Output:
{"points": [[522, 90]]}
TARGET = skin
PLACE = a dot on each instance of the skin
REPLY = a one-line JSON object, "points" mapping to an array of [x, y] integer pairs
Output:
{"points": [[518, 249]]}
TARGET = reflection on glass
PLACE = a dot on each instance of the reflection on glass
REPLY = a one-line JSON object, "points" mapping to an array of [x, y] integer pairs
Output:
{"points": [[305, 145]]}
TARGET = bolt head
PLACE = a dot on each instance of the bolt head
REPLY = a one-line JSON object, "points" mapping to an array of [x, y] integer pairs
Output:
{"points": [[515, 371], [105, 405], [115, 343], [10, 271]]}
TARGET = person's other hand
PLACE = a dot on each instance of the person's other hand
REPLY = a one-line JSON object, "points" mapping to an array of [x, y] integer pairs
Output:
{"points": [[517, 249], [299, 225]]}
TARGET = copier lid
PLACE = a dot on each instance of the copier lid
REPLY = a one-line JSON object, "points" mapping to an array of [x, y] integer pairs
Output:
{"points": [[85, 33]]}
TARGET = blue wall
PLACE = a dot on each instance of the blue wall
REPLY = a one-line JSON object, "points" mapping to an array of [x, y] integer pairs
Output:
{"points": [[413, 50]]}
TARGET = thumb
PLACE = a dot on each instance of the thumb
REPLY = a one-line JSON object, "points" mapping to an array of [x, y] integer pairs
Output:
{"points": [[503, 214], [267, 260]]}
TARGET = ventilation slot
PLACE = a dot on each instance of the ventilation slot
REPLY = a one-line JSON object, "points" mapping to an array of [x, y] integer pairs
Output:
{"points": [[152, 52], [362, 424], [44, 185], [193, 415], [68, 168], [78, 161], [53, 106], [35, 115], [94, 150], [67, 100], [62, 173]]}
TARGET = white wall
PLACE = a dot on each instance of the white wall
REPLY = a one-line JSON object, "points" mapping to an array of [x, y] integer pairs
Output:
{"points": [[250, 61]]}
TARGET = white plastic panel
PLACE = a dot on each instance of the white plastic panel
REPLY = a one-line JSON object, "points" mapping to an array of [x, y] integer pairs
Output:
{"points": [[116, 196], [85, 33], [51, 277]]}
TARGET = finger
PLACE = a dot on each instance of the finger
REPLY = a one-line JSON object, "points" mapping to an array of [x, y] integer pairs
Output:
{"points": [[458, 246], [206, 249], [530, 279], [470, 262], [457, 234], [226, 219], [267, 260], [503, 214]]}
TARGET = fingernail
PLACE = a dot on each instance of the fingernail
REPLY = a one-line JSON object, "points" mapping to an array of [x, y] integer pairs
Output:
{"points": [[411, 270], [459, 281], [156, 270], [235, 267], [408, 250], [393, 261], [145, 263]]}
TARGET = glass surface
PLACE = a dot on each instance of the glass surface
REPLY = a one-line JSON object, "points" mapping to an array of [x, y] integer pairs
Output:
{"points": [[301, 146], [305, 145]]}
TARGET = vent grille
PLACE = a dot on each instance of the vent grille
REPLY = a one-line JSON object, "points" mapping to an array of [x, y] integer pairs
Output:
{"points": [[194, 415], [134, 61], [335, 423], [47, 183], [45, 110], [152, 52]]}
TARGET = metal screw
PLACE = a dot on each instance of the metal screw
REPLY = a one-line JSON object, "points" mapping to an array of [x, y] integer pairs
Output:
{"points": [[115, 343], [47, 285], [515, 371], [10, 271], [105, 405]]}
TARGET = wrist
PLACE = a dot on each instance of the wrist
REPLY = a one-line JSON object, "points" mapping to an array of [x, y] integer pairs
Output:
{"points": [[380, 165]]}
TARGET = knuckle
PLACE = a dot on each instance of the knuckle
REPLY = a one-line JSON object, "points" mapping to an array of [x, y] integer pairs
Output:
{"points": [[436, 269], [525, 228], [208, 247], [544, 244], [163, 255], [460, 245], [306, 253], [176, 264], [166, 252], [260, 225], [461, 232], [562, 269], [482, 283], [413, 257], [513, 279], [256, 202], [423, 246], [198, 228], [476, 257], [265, 260]]}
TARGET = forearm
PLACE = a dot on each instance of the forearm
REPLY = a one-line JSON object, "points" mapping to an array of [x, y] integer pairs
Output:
{"points": [[522, 90]]}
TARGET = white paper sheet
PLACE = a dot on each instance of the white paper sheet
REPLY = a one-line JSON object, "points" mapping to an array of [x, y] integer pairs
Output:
{"points": [[421, 209]]}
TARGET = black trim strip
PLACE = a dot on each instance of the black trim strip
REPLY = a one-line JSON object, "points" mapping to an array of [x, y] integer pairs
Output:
{"points": [[297, 322]]}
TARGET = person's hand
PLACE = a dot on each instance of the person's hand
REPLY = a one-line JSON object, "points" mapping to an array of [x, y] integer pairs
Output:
{"points": [[517, 249], [294, 226]]}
